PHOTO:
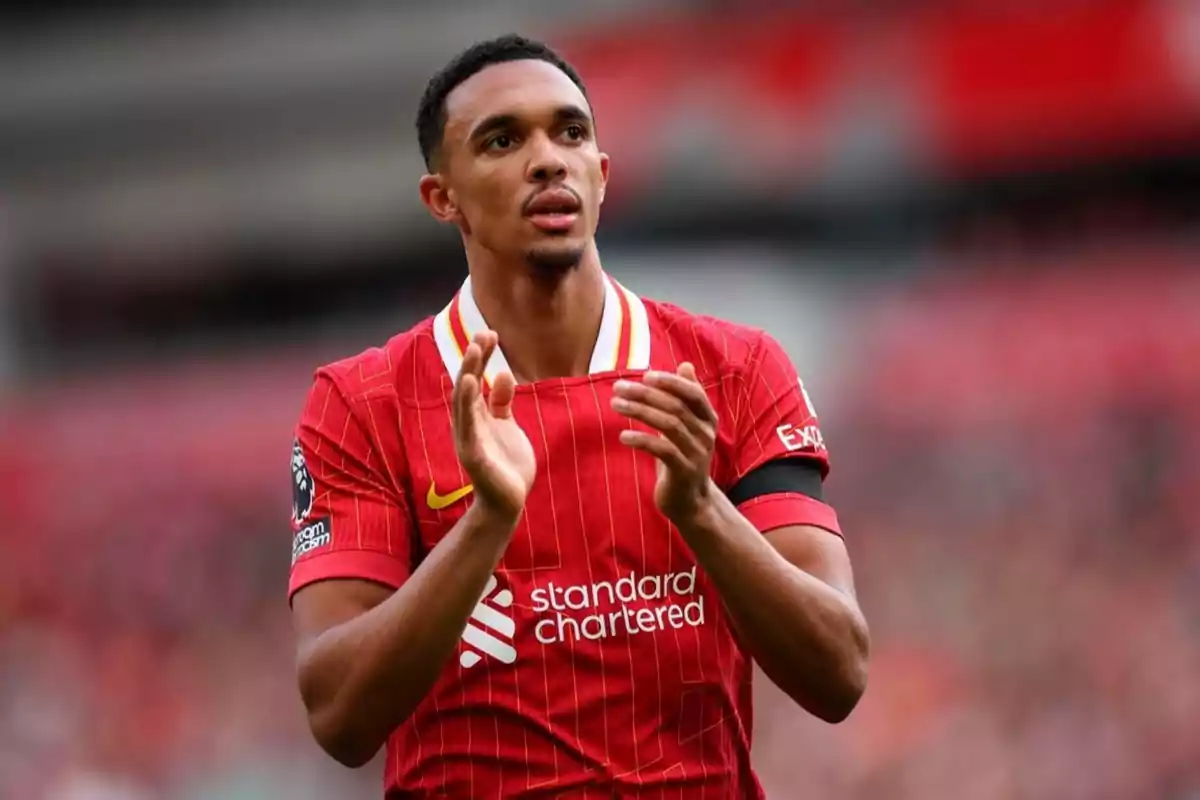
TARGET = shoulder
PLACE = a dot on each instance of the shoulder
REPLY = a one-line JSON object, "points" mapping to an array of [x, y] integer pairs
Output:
{"points": [[402, 369], [714, 345]]}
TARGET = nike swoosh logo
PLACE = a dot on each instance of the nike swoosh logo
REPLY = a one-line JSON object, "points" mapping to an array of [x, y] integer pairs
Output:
{"points": [[439, 501]]}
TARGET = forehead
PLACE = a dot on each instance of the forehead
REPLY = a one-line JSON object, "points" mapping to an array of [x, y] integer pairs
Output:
{"points": [[524, 89]]}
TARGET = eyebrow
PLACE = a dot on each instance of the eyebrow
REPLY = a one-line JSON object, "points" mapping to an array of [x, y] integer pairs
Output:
{"points": [[492, 123], [569, 113], [572, 114]]}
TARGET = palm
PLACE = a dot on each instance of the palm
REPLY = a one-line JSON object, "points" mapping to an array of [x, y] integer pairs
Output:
{"points": [[491, 445], [500, 459], [665, 490]]}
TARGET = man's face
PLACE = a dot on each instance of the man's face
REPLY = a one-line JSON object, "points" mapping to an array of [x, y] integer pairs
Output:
{"points": [[520, 168]]}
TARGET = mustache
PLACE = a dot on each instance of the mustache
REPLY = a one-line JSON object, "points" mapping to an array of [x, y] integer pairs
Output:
{"points": [[560, 187]]}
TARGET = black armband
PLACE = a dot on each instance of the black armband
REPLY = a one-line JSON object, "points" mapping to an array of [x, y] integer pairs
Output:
{"points": [[798, 475]]}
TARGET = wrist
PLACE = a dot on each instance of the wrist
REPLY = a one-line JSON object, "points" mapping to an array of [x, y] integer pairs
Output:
{"points": [[486, 516], [703, 517]]}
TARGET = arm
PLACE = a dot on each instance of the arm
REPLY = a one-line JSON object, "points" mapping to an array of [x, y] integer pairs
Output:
{"points": [[371, 638], [791, 597], [775, 557], [367, 656]]}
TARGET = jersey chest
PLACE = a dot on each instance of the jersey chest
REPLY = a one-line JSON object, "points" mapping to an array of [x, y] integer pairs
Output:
{"points": [[591, 512]]}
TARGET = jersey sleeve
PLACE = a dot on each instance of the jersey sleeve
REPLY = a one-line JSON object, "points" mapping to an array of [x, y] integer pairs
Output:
{"points": [[349, 516], [776, 422]]}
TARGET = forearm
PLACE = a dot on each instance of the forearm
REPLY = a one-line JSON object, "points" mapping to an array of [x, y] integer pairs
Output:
{"points": [[362, 679], [808, 637]]}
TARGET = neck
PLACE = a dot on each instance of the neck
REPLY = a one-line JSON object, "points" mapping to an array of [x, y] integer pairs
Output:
{"points": [[547, 328]]}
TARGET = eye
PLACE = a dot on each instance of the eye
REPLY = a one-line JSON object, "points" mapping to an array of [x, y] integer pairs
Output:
{"points": [[501, 141], [576, 132]]}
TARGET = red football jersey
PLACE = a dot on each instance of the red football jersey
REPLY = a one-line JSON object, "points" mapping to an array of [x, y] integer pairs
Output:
{"points": [[599, 661]]}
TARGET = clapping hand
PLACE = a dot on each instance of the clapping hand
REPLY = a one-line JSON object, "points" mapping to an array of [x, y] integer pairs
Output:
{"points": [[491, 446], [677, 407]]}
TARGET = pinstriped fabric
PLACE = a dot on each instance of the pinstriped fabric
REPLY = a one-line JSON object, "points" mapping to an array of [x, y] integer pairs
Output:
{"points": [[625, 676]]}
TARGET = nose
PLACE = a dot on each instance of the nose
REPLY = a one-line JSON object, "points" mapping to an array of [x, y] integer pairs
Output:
{"points": [[545, 162]]}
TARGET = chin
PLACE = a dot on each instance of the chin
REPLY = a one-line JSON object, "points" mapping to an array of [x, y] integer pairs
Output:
{"points": [[555, 260]]}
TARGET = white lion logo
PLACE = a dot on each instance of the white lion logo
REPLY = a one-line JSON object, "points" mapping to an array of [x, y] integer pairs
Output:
{"points": [[302, 485]]}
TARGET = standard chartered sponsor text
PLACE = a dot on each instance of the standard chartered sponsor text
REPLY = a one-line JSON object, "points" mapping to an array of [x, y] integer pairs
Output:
{"points": [[627, 606]]}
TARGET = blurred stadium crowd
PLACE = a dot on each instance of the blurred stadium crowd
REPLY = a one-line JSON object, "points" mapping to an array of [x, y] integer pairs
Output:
{"points": [[977, 231]]}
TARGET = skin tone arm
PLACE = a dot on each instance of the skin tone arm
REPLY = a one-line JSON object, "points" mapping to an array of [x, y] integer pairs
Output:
{"points": [[790, 593], [367, 656]]}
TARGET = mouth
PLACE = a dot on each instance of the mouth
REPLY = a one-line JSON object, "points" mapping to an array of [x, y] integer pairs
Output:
{"points": [[554, 210]]}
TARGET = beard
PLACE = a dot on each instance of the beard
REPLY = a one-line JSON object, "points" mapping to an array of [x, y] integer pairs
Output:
{"points": [[555, 262]]}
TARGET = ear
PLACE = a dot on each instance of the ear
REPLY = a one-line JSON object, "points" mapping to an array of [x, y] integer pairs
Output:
{"points": [[439, 198], [604, 163]]}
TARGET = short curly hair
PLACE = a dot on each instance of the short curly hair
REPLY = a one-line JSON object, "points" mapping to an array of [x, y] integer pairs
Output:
{"points": [[431, 114]]}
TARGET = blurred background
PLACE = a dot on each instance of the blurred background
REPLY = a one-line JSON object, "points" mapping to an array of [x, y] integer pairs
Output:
{"points": [[975, 226]]}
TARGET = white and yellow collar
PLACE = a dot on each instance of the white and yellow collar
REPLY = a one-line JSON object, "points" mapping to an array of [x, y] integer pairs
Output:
{"points": [[623, 343]]}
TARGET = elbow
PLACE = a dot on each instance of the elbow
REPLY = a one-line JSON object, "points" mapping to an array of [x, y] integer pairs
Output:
{"points": [[834, 698], [335, 725], [851, 682], [348, 747], [841, 701]]}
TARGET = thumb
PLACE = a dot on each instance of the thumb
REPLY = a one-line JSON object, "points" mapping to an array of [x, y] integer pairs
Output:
{"points": [[501, 397], [687, 372]]}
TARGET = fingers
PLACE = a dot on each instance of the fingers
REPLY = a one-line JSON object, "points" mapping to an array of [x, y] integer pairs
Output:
{"points": [[677, 408], [476, 356], [660, 447], [686, 387], [468, 386], [487, 341], [690, 436], [668, 413], [504, 388], [466, 392], [667, 423]]}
